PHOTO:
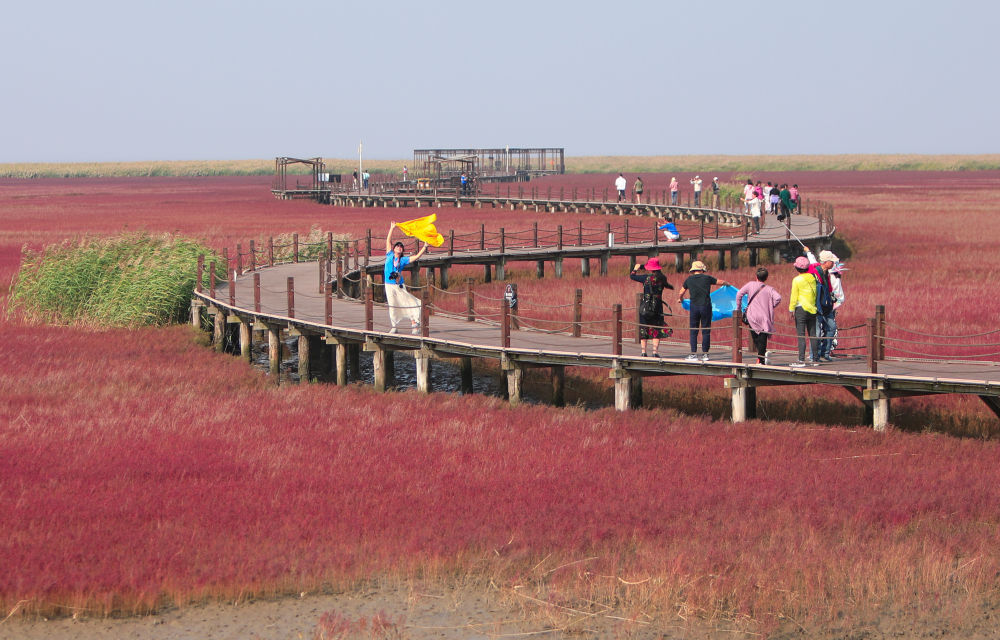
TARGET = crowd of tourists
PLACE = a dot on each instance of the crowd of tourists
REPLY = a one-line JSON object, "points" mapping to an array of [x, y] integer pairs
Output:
{"points": [[817, 293]]}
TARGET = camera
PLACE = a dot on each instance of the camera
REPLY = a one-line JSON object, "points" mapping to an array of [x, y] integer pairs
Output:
{"points": [[394, 275]]}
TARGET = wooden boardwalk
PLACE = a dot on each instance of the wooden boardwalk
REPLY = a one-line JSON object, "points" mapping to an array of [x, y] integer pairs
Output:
{"points": [[350, 325]]}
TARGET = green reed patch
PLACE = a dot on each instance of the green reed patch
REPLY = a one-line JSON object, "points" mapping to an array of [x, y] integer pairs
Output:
{"points": [[127, 280]]}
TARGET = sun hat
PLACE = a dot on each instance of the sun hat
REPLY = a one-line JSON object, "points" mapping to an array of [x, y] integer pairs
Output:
{"points": [[653, 264], [801, 262], [828, 256], [697, 265]]}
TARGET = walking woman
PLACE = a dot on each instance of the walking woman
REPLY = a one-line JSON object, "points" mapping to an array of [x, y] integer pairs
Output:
{"points": [[651, 324], [402, 304], [802, 305], [762, 300]]}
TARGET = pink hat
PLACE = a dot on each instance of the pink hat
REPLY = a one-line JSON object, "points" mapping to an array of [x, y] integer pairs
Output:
{"points": [[801, 262], [653, 264]]}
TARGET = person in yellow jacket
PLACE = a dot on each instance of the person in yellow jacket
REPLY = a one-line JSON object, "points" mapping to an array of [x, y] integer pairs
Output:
{"points": [[802, 305]]}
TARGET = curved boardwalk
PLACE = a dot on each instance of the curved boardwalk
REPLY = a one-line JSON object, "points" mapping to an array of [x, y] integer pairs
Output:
{"points": [[293, 298]]}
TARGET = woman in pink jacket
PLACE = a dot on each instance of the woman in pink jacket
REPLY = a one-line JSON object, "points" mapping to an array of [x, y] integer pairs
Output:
{"points": [[762, 301]]}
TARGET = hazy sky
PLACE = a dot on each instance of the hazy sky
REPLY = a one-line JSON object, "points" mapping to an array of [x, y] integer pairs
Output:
{"points": [[110, 80]]}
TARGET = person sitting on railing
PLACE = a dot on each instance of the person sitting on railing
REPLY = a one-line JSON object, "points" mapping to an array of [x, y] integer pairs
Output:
{"points": [[402, 304], [651, 323]]}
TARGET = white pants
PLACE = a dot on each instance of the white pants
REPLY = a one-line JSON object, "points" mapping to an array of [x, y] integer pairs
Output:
{"points": [[402, 305]]}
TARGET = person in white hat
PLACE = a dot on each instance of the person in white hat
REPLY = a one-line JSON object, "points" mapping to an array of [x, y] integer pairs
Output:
{"points": [[826, 315], [697, 190], [700, 284]]}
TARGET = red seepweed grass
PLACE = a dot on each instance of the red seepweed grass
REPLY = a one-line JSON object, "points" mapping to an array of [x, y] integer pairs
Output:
{"points": [[141, 470]]}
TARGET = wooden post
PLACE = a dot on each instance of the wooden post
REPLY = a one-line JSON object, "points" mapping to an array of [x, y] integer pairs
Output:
{"points": [[514, 373], [872, 345], [274, 351], [304, 359], [246, 340], [328, 305], [256, 292], [540, 269], [585, 267], [323, 263], [880, 331], [219, 332], [382, 368], [560, 244], [535, 234], [701, 230], [557, 266], [341, 350], [369, 308], [737, 336], [232, 292], [505, 324], [295, 247], [482, 237], [422, 366], [465, 369], [470, 313], [577, 312], [558, 385], [425, 311], [617, 315], [451, 242], [290, 288]]}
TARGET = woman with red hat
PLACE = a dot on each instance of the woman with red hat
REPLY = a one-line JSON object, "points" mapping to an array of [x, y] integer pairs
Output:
{"points": [[651, 323]]}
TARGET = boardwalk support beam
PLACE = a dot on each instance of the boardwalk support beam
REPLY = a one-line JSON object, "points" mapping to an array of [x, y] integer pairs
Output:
{"points": [[628, 389], [744, 398]]}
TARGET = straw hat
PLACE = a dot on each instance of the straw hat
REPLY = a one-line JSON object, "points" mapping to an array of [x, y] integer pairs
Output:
{"points": [[697, 265]]}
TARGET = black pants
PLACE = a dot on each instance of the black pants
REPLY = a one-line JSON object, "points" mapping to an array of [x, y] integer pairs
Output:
{"points": [[760, 344], [805, 327]]}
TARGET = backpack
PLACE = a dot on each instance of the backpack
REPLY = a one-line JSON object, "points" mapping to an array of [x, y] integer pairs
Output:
{"points": [[824, 295]]}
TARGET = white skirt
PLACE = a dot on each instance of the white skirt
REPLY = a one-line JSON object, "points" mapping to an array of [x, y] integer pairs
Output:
{"points": [[402, 305]]}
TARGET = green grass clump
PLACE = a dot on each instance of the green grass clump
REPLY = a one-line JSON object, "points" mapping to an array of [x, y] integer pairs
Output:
{"points": [[126, 281]]}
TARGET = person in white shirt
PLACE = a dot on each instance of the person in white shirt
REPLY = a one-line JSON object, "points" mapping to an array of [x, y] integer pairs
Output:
{"points": [[621, 184], [697, 190]]}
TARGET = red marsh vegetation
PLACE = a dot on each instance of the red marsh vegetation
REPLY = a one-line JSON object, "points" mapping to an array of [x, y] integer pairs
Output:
{"points": [[139, 469]]}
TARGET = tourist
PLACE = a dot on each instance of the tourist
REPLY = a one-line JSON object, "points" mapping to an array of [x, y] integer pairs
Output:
{"points": [[836, 280], [794, 195], [774, 197], [402, 304], [753, 205], [365, 177], [699, 286], [464, 179], [747, 191], [621, 184], [405, 173], [802, 306], [696, 182], [826, 315], [787, 206], [354, 185], [670, 231], [637, 189], [651, 323], [715, 192], [762, 300], [674, 188]]}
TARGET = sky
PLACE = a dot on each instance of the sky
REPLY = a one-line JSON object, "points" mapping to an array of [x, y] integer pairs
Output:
{"points": [[111, 80]]}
